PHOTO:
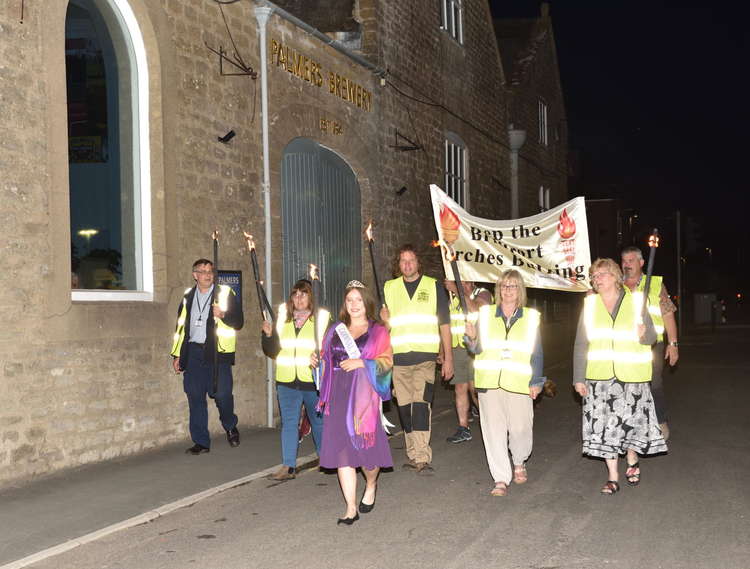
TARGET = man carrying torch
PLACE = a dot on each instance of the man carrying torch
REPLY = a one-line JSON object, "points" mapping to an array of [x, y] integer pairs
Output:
{"points": [[418, 317], [202, 330], [662, 311]]}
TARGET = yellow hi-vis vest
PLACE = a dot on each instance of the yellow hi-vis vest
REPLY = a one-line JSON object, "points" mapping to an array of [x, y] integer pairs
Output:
{"points": [[505, 361], [458, 320], [293, 361], [654, 304], [226, 335], [414, 321], [614, 349]]}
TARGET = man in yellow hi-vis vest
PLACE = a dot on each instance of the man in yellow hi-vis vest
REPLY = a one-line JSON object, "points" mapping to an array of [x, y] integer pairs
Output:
{"points": [[202, 318], [418, 318], [662, 311]]}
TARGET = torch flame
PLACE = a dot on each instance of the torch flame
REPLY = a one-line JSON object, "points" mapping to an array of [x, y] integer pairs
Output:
{"points": [[653, 240], [250, 242], [215, 235], [368, 231], [448, 253], [566, 226], [314, 274]]}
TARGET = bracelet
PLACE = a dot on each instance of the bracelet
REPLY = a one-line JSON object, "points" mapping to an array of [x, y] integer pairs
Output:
{"points": [[675, 344]]}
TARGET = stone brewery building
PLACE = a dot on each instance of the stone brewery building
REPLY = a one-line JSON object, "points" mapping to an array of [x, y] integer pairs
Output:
{"points": [[130, 130]]}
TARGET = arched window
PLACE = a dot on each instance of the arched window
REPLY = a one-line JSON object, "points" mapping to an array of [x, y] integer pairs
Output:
{"points": [[108, 152]]}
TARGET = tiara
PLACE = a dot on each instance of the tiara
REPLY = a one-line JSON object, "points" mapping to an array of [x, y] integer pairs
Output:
{"points": [[355, 284]]}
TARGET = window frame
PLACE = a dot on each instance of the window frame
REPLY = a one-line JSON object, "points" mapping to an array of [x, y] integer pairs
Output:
{"points": [[452, 147], [449, 9], [543, 118], [141, 156]]}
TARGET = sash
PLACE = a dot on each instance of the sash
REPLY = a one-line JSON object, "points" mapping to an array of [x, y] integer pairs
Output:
{"points": [[350, 345]]}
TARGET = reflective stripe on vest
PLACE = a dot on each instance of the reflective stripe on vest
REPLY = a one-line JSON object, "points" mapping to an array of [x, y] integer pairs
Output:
{"points": [[614, 349], [226, 335], [293, 361], [654, 303], [505, 360], [414, 321]]}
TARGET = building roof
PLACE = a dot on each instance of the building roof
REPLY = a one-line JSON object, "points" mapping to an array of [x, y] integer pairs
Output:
{"points": [[519, 41], [324, 15]]}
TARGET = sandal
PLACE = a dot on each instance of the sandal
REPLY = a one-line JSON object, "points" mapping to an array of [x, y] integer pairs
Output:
{"points": [[610, 488], [519, 474], [631, 477], [500, 489]]}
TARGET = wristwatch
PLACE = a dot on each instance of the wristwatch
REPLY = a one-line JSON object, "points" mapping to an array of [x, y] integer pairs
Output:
{"points": [[675, 344]]}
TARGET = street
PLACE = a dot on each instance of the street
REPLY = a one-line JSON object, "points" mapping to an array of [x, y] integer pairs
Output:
{"points": [[690, 511]]}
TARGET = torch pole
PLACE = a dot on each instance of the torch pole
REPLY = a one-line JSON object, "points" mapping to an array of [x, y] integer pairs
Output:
{"points": [[653, 243], [457, 279], [215, 370], [375, 274], [315, 282], [265, 306]]}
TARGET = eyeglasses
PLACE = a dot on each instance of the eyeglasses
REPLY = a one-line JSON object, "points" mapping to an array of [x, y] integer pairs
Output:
{"points": [[597, 276], [299, 294], [509, 286], [203, 272]]}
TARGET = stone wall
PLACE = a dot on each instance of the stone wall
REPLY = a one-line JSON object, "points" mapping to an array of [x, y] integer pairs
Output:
{"points": [[89, 381]]}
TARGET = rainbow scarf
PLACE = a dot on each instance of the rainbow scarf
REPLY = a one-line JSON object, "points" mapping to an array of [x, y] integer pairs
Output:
{"points": [[370, 386]]}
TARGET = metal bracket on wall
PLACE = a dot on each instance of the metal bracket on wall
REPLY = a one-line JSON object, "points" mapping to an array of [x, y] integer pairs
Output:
{"points": [[403, 147], [236, 61], [22, 2]]}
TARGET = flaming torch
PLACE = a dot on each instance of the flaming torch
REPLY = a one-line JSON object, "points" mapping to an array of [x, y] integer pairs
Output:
{"points": [[368, 233], [315, 281], [265, 306], [653, 243], [214, 300]]}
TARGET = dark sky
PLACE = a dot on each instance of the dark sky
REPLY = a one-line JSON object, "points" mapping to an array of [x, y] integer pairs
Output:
{"points": [[657, 102]]}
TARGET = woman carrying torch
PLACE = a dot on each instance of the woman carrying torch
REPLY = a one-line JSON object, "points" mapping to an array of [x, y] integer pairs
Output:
{"points": [[611, 372], [290, 343]]}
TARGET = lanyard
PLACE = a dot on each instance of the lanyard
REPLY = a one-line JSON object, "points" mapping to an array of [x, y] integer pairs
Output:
{"points": [[201, 308]]}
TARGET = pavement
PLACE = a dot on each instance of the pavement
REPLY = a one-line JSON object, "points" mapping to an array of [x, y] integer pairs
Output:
{"points": [[56, 514]]}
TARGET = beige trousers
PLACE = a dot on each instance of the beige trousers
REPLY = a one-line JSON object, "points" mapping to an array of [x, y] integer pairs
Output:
{"points": [[507, 420], [413, 387]]}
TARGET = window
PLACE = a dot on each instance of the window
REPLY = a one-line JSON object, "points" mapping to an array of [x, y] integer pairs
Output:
{"points": [[455, 169], [543, 198], [451, 19], [543, 135], [108, 152]]}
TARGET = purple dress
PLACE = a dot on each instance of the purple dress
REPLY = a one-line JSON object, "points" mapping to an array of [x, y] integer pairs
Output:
{"points": [[337, 448]]}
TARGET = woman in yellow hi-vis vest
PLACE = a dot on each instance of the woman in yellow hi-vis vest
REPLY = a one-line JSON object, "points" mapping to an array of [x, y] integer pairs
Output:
{"points": [[290, 344], [612, 371], [508, 377]]}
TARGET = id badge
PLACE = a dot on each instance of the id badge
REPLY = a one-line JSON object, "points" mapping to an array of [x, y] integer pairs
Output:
{"points": [[507, 354], [198, 323]]}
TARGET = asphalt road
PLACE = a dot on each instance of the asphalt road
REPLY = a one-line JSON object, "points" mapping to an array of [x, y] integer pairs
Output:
{"points": [[690, 511]]}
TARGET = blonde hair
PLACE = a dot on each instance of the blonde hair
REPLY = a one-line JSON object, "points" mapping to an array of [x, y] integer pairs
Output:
{"points": [[514, 275], [608, 265]]}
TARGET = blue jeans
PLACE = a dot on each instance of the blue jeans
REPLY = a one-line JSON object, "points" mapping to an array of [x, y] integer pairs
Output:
{"points": [[290, 403], [197, 383]]}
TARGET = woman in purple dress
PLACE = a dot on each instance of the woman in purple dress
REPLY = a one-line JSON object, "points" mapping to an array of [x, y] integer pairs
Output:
{"points": [[357, 362]]}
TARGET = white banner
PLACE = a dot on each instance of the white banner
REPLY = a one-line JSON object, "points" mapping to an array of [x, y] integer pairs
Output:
{"points": [[551, 249]]}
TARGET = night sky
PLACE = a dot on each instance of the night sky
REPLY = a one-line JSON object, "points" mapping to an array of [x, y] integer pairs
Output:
{"points": [[657, 103]]}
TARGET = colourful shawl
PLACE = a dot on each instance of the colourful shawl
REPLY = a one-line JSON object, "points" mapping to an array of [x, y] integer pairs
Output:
{"points": [[370, 385]]}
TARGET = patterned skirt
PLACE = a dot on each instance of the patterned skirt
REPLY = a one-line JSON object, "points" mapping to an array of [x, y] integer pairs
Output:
{"points": [[619, 416]]}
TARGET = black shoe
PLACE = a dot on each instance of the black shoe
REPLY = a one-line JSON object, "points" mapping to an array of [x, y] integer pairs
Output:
{"points": [[197, 449], [233, 436], [366, 508], [347, 521]]}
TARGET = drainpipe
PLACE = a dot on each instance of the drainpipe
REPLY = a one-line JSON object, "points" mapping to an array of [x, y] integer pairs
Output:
{"points": [[262, 14], [516, 138]]}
